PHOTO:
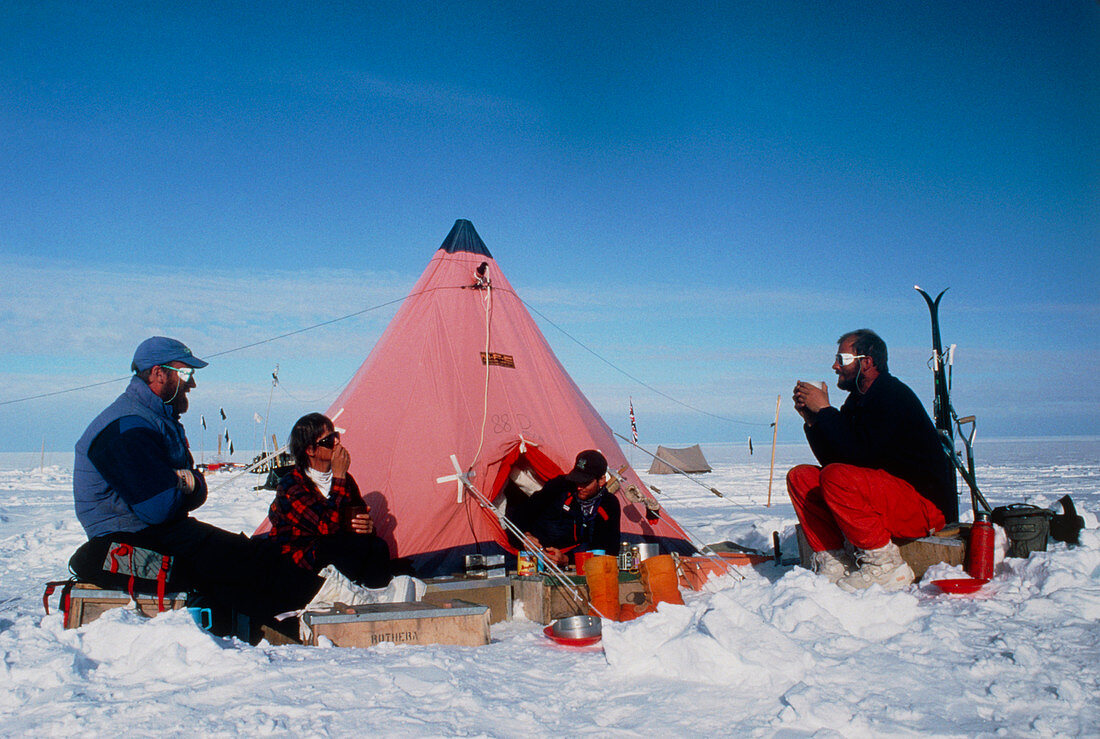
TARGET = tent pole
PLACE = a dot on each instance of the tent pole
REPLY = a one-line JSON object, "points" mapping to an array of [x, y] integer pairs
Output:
{"points": [[700, 545], [775, 433], [551, 567]]}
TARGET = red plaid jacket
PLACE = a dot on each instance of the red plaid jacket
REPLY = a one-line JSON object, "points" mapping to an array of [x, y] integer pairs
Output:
{"points": [[299, 514]]}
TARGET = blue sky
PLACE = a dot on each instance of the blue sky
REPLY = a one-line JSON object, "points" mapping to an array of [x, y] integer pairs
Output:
{"points": [[704, 194]]}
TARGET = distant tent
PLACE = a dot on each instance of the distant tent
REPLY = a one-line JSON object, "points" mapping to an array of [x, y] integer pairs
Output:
{"points": [[669, 461], [463, 370]]}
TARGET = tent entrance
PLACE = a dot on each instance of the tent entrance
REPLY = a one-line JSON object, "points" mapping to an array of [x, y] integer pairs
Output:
{"points": [[523, 482], [521, 473]]}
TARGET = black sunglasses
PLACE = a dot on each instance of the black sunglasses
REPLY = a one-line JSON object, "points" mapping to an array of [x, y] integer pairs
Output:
{"points": [[328, 441]]}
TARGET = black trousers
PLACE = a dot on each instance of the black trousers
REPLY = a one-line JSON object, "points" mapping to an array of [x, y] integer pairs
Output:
{"points": [[228, 570], [363, 558]]}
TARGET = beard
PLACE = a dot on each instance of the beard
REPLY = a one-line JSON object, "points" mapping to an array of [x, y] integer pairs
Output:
{"points": [[847, 382], [177, 397], [179, 403]]}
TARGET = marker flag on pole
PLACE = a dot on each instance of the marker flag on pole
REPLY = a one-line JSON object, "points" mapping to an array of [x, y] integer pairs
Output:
{"points": [[222, 412], [633, 424], [202, 419], [257, 418]]}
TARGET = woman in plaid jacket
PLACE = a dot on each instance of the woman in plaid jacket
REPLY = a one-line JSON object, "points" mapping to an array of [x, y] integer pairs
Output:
{"points": [[318, 516]]}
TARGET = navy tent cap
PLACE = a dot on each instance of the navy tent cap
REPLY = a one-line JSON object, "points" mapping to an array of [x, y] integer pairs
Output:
{"points": [[162, 350], [463, 237], [590, 465]]}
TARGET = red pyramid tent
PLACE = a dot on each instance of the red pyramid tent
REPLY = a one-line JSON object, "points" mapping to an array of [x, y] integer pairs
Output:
{"points": [[463, 370]]}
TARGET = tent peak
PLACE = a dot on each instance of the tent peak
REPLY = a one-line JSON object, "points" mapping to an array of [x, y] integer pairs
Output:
{"points": [[463, 237]]}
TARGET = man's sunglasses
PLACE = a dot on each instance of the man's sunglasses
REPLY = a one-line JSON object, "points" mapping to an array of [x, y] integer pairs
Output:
{"points": [[845, 359], [328, 441], [185, 373]]}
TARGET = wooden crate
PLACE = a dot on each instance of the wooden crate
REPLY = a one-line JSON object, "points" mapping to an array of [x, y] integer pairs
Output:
{"points": [[87, 603], [495, 592], [943, 546], [458, 623], [544, 599], [947, 545]]}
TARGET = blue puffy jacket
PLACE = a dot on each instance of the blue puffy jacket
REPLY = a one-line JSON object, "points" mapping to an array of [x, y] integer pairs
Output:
{"points": [[124, 477]]}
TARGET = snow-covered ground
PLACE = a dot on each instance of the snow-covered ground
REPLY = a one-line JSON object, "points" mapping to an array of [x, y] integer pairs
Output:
{"points": [[778, 651]]}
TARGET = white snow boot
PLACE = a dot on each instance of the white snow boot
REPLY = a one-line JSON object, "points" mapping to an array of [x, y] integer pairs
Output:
{"points": [[833, 564], [883, 566]]}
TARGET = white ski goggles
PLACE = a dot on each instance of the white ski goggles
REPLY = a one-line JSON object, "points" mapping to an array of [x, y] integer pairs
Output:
{"points": [[185, 373], [845, 359]]}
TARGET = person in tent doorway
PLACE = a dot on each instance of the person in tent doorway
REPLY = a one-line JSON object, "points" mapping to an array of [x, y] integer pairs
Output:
{"points": [[318, 517], [884, 471], [573, 512], [134, 484]]}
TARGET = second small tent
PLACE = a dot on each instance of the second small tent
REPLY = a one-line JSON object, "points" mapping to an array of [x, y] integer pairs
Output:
{"points": [[669, 460]]}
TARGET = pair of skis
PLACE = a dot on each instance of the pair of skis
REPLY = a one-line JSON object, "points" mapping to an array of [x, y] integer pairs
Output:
{"points": [[944, 414]]}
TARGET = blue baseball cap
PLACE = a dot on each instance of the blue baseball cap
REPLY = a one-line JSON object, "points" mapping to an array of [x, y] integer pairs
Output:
{"points": [[162, 350]]}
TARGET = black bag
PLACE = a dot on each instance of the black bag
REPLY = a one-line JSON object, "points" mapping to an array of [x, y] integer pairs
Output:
{"points": [[1066, 526], [112, 563], [1027, 527]]}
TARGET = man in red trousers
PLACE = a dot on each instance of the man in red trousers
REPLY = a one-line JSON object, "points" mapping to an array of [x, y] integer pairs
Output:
{"points": [[884, 473]]}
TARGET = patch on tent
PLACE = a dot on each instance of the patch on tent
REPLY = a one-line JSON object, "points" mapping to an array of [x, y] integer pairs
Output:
{"points": [[498, 359]]}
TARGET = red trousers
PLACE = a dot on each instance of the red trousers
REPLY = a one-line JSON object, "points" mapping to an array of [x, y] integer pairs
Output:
{"points": [[867, 507]]}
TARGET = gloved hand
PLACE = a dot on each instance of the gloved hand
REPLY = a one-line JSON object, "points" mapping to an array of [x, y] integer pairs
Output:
{"points": [[192, 485]]}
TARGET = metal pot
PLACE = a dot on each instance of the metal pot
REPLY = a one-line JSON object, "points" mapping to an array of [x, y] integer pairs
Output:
{"points": [[647, 550], [577, 627]]}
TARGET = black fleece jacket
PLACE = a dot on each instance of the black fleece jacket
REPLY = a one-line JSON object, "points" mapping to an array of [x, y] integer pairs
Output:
{"points": [[888, 429], [554, 516]]}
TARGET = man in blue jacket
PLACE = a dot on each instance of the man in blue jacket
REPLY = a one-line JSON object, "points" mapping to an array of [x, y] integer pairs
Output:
{"points": [[134, 484]]}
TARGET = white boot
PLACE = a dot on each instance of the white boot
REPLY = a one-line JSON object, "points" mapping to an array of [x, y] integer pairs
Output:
{"points": [[883, 566], [833, 564]]}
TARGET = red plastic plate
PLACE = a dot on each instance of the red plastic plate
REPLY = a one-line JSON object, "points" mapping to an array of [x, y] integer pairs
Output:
{"points": [[961, 585], [570, 642]]}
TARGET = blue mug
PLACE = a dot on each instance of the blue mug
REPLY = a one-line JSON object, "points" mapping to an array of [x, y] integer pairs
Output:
{"points": [[203, 617]]}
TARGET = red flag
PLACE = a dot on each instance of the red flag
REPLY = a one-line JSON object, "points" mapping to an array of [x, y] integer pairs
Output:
{"points": [[633, 425]]}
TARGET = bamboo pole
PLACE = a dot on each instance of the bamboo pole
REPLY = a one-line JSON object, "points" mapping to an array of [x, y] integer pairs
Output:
{"points": [[775, 433]]}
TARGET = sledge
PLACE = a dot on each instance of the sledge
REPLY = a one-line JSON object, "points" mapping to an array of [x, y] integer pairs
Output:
{"points": [[946, 545], [81, 602], [493, 592], [694, 571], [456, 622]]}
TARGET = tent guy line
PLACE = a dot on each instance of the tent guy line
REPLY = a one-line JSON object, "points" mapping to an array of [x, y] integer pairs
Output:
{"points": [[632, 377], [363, 311], [221, 353], [700, 483]]}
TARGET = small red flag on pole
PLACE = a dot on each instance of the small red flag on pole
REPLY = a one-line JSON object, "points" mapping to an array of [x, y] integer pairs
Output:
{"points": [[633, 425]]}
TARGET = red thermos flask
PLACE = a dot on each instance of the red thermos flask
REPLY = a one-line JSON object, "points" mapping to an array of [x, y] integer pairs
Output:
{"points": [[979, 557]]}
